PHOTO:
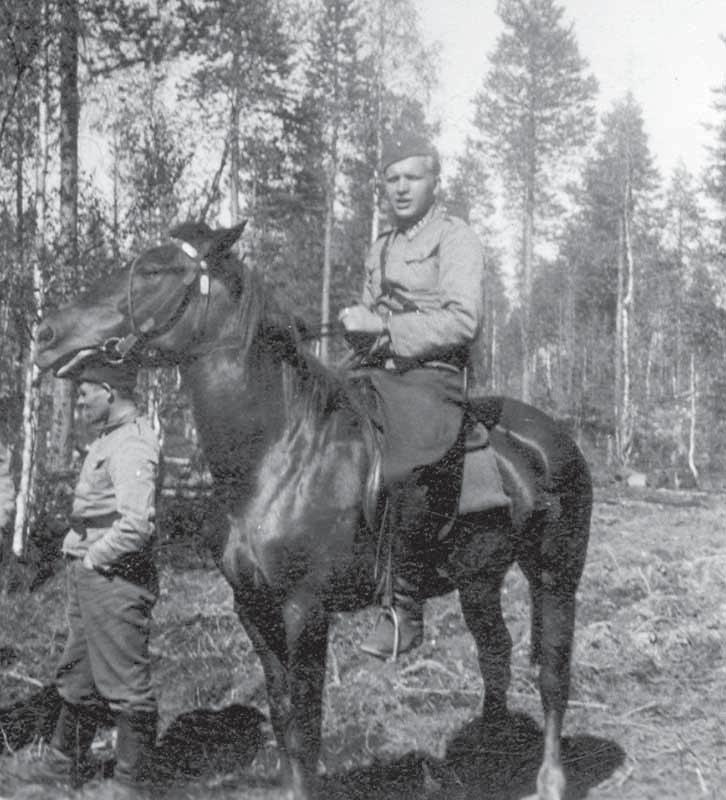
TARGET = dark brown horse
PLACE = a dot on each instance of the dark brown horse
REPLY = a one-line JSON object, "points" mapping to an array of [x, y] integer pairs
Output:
{"points": [[286, 443]]}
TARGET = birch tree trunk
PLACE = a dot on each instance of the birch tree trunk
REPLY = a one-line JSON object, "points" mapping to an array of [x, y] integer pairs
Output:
{"points": [[627, 434], [494, 352], [327, 257], [115, 226], [624, 416], [31, 401], [59, 455], [692, 425], [234, 155], [527, 259], [332, 173], [652, 340], [375, 194]]}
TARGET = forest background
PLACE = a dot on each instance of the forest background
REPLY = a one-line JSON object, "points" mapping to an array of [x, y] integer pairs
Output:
{"points": [[120, 119]]}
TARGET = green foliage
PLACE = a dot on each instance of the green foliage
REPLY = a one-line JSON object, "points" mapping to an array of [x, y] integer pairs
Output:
{"points": [[124, 33], [289, 101], [715, 182], [536, 103], [590, 241], [21, 35], [152, 161]]}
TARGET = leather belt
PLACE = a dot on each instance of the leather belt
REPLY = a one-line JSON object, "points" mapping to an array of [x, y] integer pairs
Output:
{"points": [[100, 521], [394, 364]]}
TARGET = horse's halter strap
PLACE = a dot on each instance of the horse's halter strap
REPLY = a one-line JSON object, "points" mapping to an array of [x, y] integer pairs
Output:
{"points": [[116, 349]]}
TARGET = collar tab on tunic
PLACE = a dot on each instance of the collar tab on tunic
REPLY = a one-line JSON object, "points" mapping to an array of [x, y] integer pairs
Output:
{"points": [[411, 232]]}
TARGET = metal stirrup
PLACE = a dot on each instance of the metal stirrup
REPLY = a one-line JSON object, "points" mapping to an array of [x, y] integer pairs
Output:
{"points": [[392, 613]]}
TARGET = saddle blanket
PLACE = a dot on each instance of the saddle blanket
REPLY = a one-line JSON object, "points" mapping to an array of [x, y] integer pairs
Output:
{"points": [[481, 483]]}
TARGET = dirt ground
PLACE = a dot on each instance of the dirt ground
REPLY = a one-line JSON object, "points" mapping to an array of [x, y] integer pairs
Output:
{"points": [[647, 717]]}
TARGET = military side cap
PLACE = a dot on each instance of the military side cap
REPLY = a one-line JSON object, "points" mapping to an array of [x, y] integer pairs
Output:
{"points": [[398, 146], [97, 369]]}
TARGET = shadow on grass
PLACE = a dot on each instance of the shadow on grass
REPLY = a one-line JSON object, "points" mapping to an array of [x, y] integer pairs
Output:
{"points": [[197, 744], [505, 766], [28, 719], [206, 742]]}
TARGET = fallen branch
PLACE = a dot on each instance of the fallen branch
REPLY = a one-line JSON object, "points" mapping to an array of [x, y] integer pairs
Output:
{"points": [[645, 707], [573, 703], [430, 663], [25, 678], [430, 690]]}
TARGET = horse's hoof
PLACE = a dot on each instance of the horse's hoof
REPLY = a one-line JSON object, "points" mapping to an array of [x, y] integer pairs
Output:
{"points": [[430, 784], [495, 718], [550, 783]]}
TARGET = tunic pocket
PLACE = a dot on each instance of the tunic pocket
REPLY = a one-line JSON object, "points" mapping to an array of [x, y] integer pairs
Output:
{"points": [[422, 268]]}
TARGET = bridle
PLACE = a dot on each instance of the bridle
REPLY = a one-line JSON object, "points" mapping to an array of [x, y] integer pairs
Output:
{"points": [[117, 348]]}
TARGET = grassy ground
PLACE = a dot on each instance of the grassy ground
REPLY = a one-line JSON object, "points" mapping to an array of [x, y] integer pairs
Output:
{"points": [[647, 716]]}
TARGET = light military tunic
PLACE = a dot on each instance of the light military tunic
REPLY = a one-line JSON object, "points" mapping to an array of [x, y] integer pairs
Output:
{"points": [[115, 497], [427, 285]]}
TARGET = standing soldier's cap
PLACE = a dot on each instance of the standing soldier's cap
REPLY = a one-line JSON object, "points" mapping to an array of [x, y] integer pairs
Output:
{"points": [[398, 146], [97, 369]]}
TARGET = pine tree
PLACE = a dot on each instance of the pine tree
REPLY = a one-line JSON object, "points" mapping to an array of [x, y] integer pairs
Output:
{"points": [[716, 168], [468, 196], [241, 54], [534, 111], [335, 77], [611, 247]]}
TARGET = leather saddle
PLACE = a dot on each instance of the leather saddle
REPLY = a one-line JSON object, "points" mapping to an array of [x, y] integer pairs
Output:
{"points": [[482, 488]]}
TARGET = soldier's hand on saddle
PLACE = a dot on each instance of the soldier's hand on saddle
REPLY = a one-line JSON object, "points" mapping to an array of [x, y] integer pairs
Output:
{"points": [[359, 319]]}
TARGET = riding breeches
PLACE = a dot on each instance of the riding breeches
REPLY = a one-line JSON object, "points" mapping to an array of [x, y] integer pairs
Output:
{"points": [[421, 414], [107, 651]]}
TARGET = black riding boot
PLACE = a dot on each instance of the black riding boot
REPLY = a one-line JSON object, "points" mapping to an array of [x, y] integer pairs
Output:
{"points": [[134, 749], [65, 760], [399, 628]]}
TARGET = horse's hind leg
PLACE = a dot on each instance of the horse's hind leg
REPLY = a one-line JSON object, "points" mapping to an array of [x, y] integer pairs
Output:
{"points": [[558, 622], [554, 572]]}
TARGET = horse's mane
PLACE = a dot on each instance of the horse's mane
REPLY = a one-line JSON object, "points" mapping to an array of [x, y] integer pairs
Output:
{"points": [[261, 319]]}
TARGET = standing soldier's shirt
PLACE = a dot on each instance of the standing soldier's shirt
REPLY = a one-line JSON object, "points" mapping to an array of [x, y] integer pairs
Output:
{"points": [[115, 498], [427, 282]]}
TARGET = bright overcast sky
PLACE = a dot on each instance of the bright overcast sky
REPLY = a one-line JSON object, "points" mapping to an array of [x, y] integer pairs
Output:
{"points": [[667, 52]]}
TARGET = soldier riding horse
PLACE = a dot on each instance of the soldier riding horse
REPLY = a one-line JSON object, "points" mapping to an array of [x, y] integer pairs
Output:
{"points": [[288, 445]]}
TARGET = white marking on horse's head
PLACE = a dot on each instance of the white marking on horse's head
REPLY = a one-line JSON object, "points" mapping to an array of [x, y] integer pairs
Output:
{"points": [[189, 249], [77, 358]]}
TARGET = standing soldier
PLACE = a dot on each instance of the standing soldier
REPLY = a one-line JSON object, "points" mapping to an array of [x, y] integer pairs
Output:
{"points": [[112, 587], [422, 307]]}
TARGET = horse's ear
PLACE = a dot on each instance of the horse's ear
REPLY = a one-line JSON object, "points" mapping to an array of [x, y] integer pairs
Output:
{"points": [[224, 238], [195, 233], [209, 242]]}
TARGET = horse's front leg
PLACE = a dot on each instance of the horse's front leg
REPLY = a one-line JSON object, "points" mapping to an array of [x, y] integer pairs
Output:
{"points": [[291, 644], [306, 624]]}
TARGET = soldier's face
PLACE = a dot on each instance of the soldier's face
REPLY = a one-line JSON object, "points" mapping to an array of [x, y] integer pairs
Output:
{"points": [[94, 402], [411, 188]]}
